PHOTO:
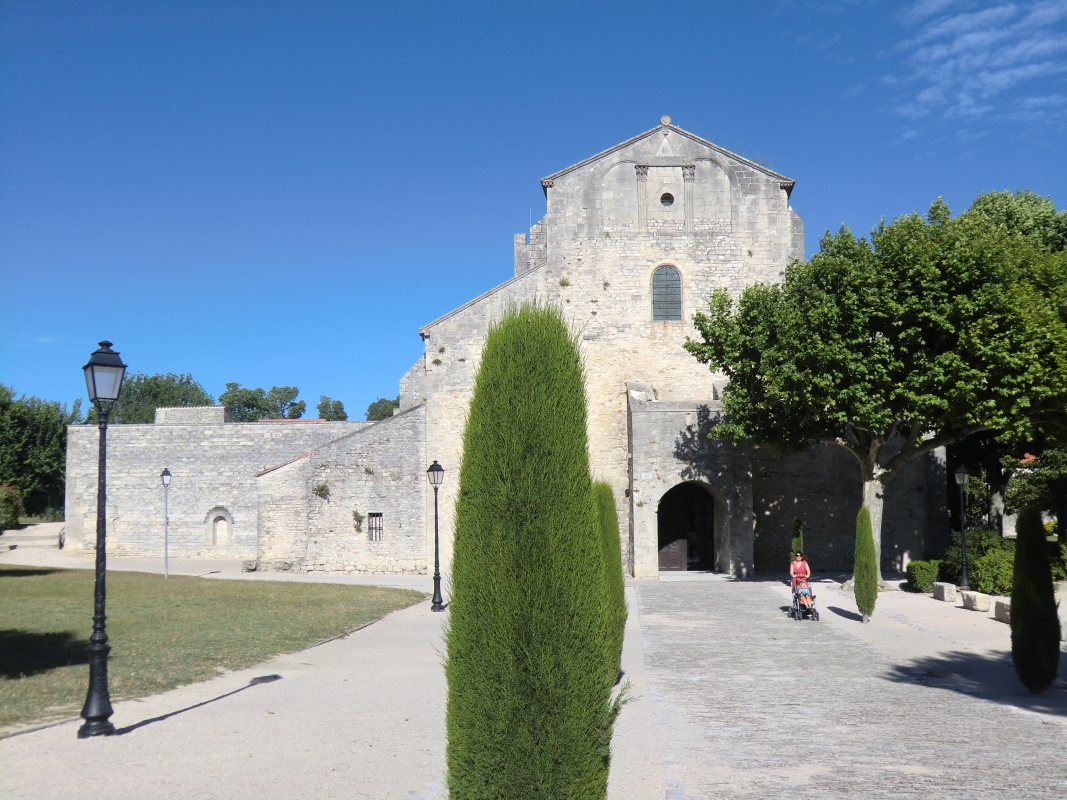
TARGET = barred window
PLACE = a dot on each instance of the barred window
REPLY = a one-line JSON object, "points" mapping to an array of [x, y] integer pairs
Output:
{"points": [[666, 294], [374, 527]]}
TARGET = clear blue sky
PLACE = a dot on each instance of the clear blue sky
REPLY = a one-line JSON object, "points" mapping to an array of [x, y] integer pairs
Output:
{"points": [[282, 193]]}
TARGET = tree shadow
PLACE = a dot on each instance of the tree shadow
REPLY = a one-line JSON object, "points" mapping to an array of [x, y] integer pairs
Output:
{"points": [[24, 572], [842, 612], [986, 676], [254, 682], [25, 653]]}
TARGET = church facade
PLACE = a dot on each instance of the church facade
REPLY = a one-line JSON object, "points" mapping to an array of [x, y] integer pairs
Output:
{"points": [[633, 242]]}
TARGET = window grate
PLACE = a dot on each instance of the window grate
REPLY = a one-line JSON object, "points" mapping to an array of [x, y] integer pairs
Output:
{"points": [[666, 294], [375, 529]]}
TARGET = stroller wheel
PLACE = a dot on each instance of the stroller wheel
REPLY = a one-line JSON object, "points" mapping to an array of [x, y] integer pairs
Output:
{"points": [[815, 615]]}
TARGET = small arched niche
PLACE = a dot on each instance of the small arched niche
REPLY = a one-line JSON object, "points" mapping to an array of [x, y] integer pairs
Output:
{"points": [[218, 526]]}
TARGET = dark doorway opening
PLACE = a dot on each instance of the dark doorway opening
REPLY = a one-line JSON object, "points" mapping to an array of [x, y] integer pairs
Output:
{"points": [[686, 522]]}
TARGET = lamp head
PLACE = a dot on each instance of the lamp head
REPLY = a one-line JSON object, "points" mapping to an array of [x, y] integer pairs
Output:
{"points": [[962, 475], [165, 476], [435, 474], [103, 376]]}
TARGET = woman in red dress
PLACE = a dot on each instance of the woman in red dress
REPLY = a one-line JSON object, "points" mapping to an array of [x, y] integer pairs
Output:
{"points": [[798, 568]]}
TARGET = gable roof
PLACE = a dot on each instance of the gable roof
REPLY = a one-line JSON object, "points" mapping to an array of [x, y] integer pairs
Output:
{"points": [[787, 183]]}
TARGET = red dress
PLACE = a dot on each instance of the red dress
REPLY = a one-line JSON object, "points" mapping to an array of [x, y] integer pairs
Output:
{"points": [[801, 570]]}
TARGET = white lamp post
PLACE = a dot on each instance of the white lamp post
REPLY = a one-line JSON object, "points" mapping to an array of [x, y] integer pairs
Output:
{"points": [[165, 477]]}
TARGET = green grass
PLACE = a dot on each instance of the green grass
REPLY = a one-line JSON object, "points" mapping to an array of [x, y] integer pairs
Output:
{"points": [[164, 632]]}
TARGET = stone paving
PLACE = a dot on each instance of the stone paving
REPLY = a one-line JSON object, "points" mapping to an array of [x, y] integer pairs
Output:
{"points": [[749, 703]]}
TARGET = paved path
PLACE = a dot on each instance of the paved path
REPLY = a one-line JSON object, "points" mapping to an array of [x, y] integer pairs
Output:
{"points": [[749, 703]]}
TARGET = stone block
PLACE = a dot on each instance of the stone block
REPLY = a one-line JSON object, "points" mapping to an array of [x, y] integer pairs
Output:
{"points": [[1002, 610], [975, 601], [945, 591], [248, 566]]}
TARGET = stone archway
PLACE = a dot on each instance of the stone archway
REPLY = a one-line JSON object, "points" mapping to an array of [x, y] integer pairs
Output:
{"points": [[688, 528]]}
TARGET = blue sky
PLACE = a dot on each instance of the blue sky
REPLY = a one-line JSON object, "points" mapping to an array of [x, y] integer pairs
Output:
{"points": [[282, 193]]}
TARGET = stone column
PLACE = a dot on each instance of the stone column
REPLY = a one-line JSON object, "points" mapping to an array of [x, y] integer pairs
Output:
{"points": [[688, 175], [642, 197]]}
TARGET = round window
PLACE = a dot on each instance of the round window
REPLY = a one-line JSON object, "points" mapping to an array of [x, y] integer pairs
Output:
{"points": [[667, 199]]}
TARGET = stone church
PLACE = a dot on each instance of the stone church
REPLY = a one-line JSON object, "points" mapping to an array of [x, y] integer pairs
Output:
{"points": [[634, 240]]}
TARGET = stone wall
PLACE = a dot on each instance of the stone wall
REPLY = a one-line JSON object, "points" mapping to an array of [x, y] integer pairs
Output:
{"points": [[305, 506], [213, 467]]}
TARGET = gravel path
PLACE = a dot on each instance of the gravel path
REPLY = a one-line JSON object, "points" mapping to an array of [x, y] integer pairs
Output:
{"points": [[749, 703]]}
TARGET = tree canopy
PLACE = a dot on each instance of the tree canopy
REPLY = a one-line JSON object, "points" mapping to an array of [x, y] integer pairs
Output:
{"points": [[250, 405], [936, 328], [142, 394], [382, 408], [33, 446], [333, 410]]}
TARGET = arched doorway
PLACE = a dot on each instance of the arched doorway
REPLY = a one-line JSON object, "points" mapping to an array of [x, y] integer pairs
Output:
{"points": [[686, 522]]}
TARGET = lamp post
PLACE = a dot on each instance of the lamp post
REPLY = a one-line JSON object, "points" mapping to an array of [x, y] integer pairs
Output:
{"points": [[165, 477], [961, 480], [436, 476], [103, 379]]}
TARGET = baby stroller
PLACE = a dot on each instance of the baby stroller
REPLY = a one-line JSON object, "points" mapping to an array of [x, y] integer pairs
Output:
{"points": [[803, 602]]}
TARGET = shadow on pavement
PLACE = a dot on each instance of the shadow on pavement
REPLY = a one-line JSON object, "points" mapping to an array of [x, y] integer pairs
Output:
{"points": [[986, 676], [161, 717], [24, 653], [844, 612]]}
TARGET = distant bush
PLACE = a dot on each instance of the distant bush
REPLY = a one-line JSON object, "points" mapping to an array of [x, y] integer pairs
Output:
{"points": [[10, 507], [979, 542], [922, 574], [992, 572]]}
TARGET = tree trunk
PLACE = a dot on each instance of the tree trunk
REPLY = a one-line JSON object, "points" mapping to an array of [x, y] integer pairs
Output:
{"points": [[873, 492]]}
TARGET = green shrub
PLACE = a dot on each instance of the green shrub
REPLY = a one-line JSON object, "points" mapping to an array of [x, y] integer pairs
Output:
{"points": [[614, 582], [10, 507], [922, 574], [992, 573], [1035, 626], [797, 544], [529, 710], [1057, 556], [865, 570], [979, 542]]}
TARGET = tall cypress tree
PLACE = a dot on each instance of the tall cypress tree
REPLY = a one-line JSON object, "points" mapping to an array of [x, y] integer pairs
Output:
{"points": [[865, 570], [1035, 625], [529, 709], [614, 582]]}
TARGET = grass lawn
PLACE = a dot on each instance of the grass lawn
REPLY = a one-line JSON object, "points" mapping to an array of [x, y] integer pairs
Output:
{"points": [[163, 632]]}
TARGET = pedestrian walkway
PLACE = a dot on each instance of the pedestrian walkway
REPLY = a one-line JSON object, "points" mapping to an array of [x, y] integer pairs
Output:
{"points": [[749, 703]]}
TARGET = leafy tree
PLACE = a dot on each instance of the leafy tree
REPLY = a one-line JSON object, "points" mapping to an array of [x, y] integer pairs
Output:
{"points": [[1042, 482], [10, 507], [142, 394], [797, 543], [382, 408], [529, 713], [333, 410], [865, 578], [33, 447], [250, 405], [936, 329], [1026, 213], [1035, 626]]}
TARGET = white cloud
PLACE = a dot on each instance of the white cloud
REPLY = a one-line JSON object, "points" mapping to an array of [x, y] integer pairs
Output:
{"points": [[963, 65]]}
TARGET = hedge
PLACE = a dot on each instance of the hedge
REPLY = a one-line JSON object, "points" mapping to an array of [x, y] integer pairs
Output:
{"points": [[922, 574], [614, 582], [529, 711]]}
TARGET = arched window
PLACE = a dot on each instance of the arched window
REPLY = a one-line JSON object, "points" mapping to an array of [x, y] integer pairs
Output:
{"points": [[666, 294]]}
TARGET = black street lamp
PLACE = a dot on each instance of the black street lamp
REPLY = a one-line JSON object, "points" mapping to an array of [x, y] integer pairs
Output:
{"points": [[103, 378], [961, 479], [436, 476]]}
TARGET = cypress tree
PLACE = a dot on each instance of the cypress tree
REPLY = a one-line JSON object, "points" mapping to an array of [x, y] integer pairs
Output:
{"points": [[529, 710], [864, 570], [1035, 625], [797, 545], [614, 583]]}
